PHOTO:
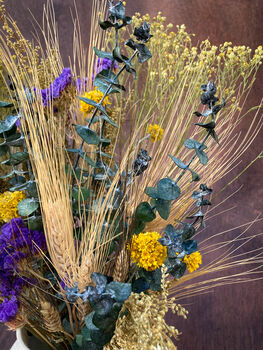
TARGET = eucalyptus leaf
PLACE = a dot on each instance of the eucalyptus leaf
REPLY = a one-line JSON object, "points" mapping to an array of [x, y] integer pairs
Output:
{"points": [[3, 150], [202, 156], [152, 192], [87, 159], [117, 11], [106, 24], [81, 193], [18, 157], [103, 54], [139, 226], [103, 306], [27, 206], [4, 104], [164, 208], [88, 321], [101, 337], [85, 332], [178, 162], [8, 123], [178, 270], [88, 135], [168, 189], [192, 144], [209, 126], [144, 212], [189, 246], [118, 291], [34, 223], [195, 176]]}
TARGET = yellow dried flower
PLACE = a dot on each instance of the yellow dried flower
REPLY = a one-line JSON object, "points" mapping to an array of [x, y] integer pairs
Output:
{"points": [[156, 132], [8, 205], [147, 252], [96, 96], [193, 261]]}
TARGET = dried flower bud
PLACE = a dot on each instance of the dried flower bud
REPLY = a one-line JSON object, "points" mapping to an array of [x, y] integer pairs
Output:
{"points": [[142, 33], [141, 163]]}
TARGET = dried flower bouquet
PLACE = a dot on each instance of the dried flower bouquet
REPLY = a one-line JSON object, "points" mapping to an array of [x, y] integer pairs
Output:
{"points": [[104, 178]]}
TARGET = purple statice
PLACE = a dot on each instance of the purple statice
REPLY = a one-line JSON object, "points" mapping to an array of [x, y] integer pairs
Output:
{"points": [[55, 89], [105, 63], [16, 235], [8, 309], [17, 242]]}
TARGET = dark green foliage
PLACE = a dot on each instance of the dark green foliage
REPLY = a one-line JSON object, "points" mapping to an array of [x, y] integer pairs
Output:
{"points": [[88, 135], [35, 223], [87, 159], [81, 194], [163, 207], [189, 246], [144, 53], [144, 212], [108, 82], [140, 285]]}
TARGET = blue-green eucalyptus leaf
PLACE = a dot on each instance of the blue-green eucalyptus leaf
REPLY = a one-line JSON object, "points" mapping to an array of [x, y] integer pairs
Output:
{"points": [[88, 321], [27, 206], [118, 291], [8, 123], [202, 156], [103, 54], [192, 144], [189, 246], [195, 176], [4, 104], [88, 135], [178, 162], [168, 189], [152, 192], [164, 208]]}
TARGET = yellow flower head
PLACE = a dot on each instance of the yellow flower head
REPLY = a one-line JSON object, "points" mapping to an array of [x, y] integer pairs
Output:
{"points": [[96, 96], [147, 252], [156, 132], [193, 261], [8, 205]]}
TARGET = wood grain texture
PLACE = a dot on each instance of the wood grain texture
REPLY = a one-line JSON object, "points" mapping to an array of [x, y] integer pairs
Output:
{"points": [[229, 318]]}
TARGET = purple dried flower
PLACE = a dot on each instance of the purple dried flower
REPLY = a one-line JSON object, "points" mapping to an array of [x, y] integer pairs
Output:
{"points": [[55, 89], [8, 309], [105, 63]]}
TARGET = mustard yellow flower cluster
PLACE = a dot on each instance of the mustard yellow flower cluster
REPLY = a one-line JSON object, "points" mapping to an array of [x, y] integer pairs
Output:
{"points": [[156, 132], [96, 96], [193, 261], [146, 251], [8, 205]]}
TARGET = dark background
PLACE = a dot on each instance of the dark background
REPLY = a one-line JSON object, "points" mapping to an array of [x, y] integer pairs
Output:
{"points": [[230, 317]]}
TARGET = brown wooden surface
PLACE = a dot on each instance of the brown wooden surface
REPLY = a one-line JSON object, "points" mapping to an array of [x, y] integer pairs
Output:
{"points": [[229, 318]]}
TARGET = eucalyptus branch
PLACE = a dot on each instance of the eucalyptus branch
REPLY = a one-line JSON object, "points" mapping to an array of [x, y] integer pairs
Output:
{"points": [[100, 103], [192, 159], [10, 154]]}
